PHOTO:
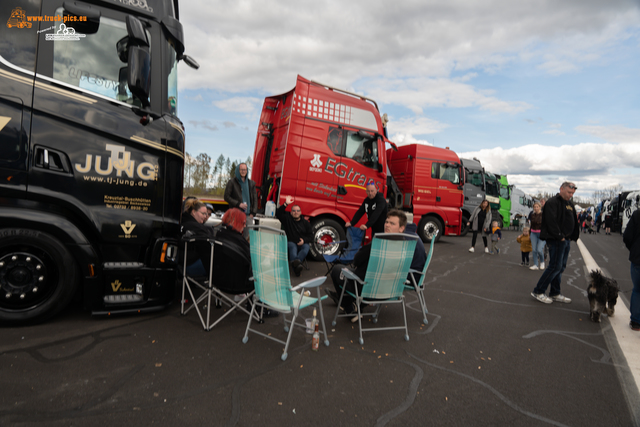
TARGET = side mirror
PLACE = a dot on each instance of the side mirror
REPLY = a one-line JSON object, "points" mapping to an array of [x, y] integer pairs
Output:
{"points": [[139, 74]]}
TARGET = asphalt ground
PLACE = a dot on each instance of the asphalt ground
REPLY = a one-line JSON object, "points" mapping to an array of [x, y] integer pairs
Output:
{"points": [[490, 355]]}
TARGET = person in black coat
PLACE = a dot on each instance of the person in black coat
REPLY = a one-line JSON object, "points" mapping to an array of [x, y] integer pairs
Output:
{"points": [[375, 207], [193, 225], [298, 231], [631, 238], [559, 226], [232, 259]]}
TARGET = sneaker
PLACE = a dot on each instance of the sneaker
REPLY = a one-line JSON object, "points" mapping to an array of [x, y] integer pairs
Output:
{"points": [[486, 250], [471, 250], [533, 267], [497, 250], [491, 253], [634, 325], [561, 298], [542, 298], [522, 264], [542, 266]]}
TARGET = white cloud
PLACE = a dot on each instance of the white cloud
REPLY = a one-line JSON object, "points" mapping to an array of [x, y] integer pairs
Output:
{"points": [[612, 133], [239, 104], [554, 132]]}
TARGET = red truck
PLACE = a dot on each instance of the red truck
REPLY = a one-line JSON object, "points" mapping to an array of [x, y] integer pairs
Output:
{"points": [[322, 144]]}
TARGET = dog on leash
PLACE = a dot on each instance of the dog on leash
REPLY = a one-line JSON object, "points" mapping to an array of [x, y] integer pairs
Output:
{"points": [[603, 295]]}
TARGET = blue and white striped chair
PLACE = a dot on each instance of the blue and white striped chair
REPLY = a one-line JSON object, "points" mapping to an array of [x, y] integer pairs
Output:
{"points": [[418, 285], [384, 282], [273, 289]]}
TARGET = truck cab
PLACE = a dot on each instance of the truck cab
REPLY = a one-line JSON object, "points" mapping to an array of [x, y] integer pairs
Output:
{"points": [[91, 159], [474, 189]]}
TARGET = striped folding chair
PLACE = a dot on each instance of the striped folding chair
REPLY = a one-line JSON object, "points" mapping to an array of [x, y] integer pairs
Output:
{"points": [[273, 284], [387, 271], [418, 285]]}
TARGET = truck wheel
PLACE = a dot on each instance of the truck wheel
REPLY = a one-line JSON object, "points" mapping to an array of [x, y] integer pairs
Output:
{"points": [[38, 276], [464, 229], [327, 231], [427, 228]]}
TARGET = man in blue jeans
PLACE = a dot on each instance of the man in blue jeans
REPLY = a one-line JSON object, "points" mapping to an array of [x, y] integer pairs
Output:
{"points": [[298, 231], [631, 238], [559, 226]]}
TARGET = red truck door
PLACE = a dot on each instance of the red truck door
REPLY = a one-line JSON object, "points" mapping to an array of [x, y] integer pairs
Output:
{"points": [[355, 164]]}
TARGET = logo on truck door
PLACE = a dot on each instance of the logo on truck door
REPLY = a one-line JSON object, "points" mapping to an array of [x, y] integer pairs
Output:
{"points": [[120, 161], [316, 163]]}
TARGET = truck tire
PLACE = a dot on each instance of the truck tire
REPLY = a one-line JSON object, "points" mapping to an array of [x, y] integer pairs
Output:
{"points": [[464, 229], [427, 227], [327, 230], [38, 276]]}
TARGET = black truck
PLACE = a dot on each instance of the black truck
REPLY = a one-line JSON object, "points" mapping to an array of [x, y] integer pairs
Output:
{"points": [[91, 156]]}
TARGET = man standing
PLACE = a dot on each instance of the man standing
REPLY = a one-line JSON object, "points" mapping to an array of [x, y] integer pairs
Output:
{"points": [[559, 227], [375, 206], [395, 222], [241, 192], [298, 231], [631, 238]]}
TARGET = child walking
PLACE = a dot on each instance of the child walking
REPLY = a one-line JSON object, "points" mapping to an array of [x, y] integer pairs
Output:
{"points": [[525, 246], [496, 235]]}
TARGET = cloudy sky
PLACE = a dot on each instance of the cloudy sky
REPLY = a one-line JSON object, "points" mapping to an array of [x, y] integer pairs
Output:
{"points": [[543, 91]]}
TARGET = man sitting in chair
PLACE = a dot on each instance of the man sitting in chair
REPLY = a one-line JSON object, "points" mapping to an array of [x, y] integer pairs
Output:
{"points": [[298, 231], [396, 222]]}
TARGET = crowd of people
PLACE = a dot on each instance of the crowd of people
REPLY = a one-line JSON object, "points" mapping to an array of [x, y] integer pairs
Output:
{"points": [[549, 229]]}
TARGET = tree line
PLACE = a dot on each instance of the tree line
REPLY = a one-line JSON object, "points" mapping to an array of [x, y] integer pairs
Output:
{"points": [[202, 178]]}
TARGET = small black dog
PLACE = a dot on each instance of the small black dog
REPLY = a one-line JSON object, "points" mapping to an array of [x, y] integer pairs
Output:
{"points": [[603, 295]]}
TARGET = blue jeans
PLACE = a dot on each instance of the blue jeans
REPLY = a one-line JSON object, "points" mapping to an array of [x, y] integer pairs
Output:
{"points": [[297, 252], [635, 294], [537, 245], [558, 255]]}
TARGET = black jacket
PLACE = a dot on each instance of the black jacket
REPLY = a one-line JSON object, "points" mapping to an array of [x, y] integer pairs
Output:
{"points": [[376, 210], [201, 248], [233, 195], [295, 230], [232, 262], [559, 220], [631, 237]]}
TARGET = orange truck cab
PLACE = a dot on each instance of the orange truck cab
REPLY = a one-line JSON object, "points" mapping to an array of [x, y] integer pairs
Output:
{"points": [[322, 145]]}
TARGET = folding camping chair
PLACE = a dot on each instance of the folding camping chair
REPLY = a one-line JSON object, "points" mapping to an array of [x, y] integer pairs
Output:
{"points": [[273, 284], [419, 285], [207, 290], [387, 271], [355, 236]]}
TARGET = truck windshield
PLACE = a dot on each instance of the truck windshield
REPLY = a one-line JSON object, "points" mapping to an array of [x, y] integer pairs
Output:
{"points": [[172, 79], [474, 178], [492, 186], [93, 63], [504, 192]]}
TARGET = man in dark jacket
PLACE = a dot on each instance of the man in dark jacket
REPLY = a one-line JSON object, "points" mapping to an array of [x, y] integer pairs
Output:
{"points": [[559, 226], [395, 222], [298, 231], [631, 238], [241, 192], [375, 206]]}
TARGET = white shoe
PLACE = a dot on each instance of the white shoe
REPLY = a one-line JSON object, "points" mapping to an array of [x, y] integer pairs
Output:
{"points": [[533, 267], [542, 266], [486, 250], [542, 298], [561, 298], [471, 249]]}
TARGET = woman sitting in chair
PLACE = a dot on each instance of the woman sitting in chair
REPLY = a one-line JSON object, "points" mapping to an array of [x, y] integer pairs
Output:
{"points": [[232, 259], [198, 252]]}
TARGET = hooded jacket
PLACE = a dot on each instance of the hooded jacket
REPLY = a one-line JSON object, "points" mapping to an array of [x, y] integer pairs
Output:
{"points": [[233, 193], [631, 237]]}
